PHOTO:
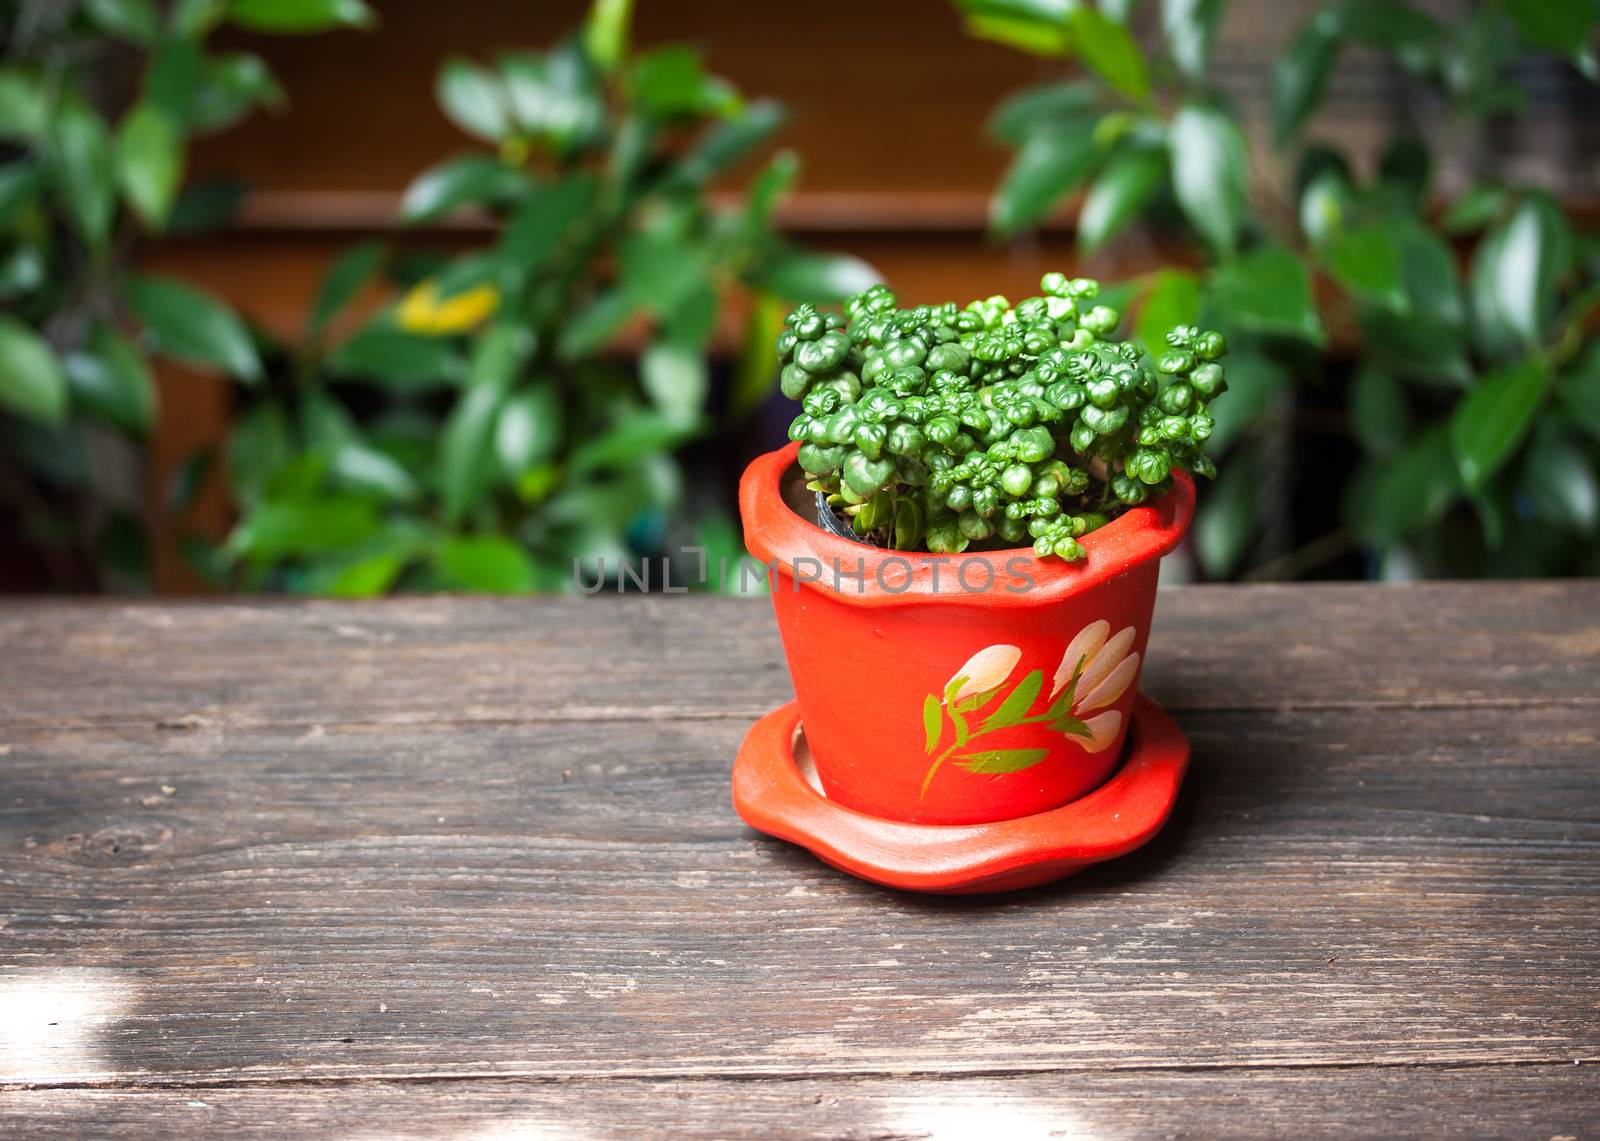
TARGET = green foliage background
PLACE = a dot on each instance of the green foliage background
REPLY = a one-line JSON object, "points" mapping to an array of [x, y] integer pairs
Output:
{"points": [[1476, 382], [477, 431], [78, 189]]}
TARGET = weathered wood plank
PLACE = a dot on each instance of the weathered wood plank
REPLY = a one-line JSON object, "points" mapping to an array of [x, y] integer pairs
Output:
{"points": [[567, 899], [1487, 1102], [239, 663]]}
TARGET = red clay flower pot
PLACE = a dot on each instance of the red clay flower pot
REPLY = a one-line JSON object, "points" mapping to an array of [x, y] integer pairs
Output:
{"points": [[958, 689]]}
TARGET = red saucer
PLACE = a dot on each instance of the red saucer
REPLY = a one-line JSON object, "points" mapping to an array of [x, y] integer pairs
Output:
{"points": [[772, 794]]}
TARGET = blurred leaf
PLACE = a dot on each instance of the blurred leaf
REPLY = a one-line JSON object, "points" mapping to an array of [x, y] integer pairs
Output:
{"points": [[80, 162], [636, 434], [489, 563], [1475, 209], [295, 17], [1316, 160], [206, 560], [671, 81], [192, 327], [529, 429], [1407, 165], [189, 479], [205, 205], [1269, 291], [1300, 73], [32, 383], [371, 566], [1559, 480], [258, 448], [758, 360], [1124, 188], [279, 529], [350, 271], [1255, 384], [1389, 25], [1225, 521], [1189, 26], [19, 182], [149, 160], [1417, 346], [133, 20], [674, 377], [1109, 48], [801, 275], [173, 80], [605, 34], [466, 456], [1490, 422], [470, 180], [1514, 272], [396, 359], [1322, 206], [230, 87], [1033, 109], [694, 318], [473, 99], [548, 215], [1563, 26], [1579, 390], [303, 476], [195, 18], [124, 549], [727, 143], [364, 577], [555, 96], [1429, 276], [659, 269], [1209, 172], [54, 454], [1380, 418], [1051, 162], [1038, 11], [21, 271], [1366, 261], [593, 326], [1173, 300], [1395, 497], [765, 192], [24, 110], [361, 467], [1034, 26], [110, 380], [351, 461]]}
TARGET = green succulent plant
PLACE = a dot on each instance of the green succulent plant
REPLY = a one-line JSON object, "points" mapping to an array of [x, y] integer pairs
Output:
{"points": [[938, 427]]}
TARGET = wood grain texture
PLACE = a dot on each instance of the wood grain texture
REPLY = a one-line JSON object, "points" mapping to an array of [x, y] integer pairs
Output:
{"points": [[1470, 1102], [621, 657], [472, 861]]}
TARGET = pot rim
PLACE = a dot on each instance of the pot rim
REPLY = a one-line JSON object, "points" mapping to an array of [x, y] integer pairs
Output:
{"points": [[775, 534]]}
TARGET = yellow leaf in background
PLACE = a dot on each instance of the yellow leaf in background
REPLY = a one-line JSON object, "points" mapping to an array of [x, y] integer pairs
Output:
{"points": [[422, 312]]}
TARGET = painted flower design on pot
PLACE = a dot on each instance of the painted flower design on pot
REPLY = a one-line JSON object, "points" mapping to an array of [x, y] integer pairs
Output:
{"points": [[1096, 669]]}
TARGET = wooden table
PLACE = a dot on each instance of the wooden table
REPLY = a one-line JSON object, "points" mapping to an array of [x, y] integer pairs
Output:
{"points": [[455, 867]]}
